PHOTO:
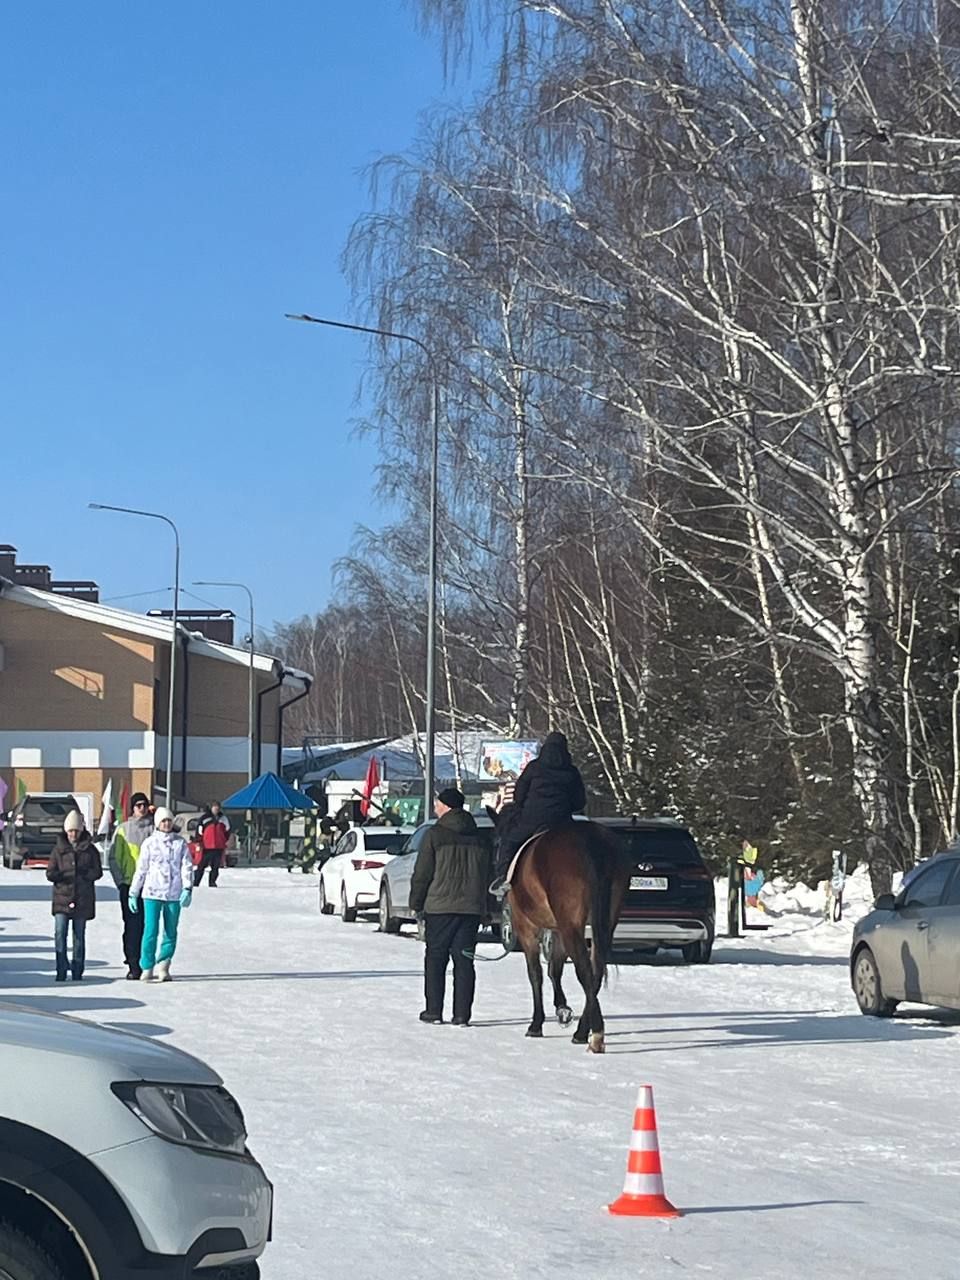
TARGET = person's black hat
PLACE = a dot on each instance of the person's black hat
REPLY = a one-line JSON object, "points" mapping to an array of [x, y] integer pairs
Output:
{"points": [[138, 797], [451, 797]]}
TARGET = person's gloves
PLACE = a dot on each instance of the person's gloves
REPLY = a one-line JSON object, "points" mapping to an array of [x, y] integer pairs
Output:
{"points": [[133, 902], [186, 898]]}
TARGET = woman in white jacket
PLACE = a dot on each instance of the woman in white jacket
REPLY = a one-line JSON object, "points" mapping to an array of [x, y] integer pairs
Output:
{"points": [[163, 878]]}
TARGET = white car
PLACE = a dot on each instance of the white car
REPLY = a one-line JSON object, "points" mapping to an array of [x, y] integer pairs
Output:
{"points": [[350, 878], [120, 1157], [393, 906]]}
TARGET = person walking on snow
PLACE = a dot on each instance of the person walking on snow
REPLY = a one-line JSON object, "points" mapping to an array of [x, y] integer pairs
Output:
{"points": [[164, 878], [213, 832], [122, 861], [449, 885], [73, 868]]}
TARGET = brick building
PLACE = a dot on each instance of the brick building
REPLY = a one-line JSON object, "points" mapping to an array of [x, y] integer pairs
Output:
{"points": [[84, 694]]}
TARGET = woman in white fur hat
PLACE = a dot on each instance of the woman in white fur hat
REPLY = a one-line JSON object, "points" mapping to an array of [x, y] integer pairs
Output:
{"points": [[73, 868], [163, 878]]}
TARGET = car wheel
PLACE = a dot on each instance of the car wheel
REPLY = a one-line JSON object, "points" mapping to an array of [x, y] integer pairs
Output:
{"points": [[326, 906], [22, 1259], [697, 952], [347, 913], [867, 988], [508, 939], [388, 923]]}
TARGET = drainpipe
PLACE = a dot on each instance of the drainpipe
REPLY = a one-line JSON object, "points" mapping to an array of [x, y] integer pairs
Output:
{"points": [[280, 710], [184, 714], [279, 672]]}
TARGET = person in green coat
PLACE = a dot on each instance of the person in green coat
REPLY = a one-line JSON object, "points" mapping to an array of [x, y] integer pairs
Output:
{"points": [[449, 885], [122, 861]]}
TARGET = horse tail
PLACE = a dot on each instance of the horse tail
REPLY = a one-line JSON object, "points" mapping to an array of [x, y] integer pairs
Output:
{"points": [[601, 884]]}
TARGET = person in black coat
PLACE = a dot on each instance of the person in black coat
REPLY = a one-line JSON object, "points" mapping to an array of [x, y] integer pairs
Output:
{"points": [[73, 868], [548, 793], [449, 886]]}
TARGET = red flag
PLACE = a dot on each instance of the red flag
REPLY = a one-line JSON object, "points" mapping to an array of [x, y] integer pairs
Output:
{"points": [[123, 809], [370, 784]]}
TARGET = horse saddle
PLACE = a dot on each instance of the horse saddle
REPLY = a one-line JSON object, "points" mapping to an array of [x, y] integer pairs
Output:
{"points": [[516, 857]]}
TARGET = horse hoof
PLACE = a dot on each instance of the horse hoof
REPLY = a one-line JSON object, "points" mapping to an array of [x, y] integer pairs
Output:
{"points": [[564, 1016], [535, 1033], [595, 1044], [579, 1039]]}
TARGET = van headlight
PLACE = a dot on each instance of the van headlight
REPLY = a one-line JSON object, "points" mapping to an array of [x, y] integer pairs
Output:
{"points": [[204, 1116]]}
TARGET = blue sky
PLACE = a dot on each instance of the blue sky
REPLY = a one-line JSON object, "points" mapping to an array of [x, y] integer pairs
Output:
{"points": [[176, 176]]}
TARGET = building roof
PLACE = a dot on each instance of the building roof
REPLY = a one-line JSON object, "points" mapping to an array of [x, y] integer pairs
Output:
{"points": [[456, 756], [149, 628], [268, 793]]}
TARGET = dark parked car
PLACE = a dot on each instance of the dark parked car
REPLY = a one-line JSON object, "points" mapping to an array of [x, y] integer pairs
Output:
{"points": [[671, 901], [31, 827], [908, 947]]}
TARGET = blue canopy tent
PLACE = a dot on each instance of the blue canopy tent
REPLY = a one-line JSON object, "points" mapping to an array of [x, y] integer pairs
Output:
{"points": [[268, 793]]}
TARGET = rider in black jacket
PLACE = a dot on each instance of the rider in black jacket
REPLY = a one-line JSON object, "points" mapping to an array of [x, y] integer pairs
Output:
{"points": [[548, 793]]}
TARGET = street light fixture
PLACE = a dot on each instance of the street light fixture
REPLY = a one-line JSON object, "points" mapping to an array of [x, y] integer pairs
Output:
{"points": [[431, 692], [155, 515], [242, 586]]}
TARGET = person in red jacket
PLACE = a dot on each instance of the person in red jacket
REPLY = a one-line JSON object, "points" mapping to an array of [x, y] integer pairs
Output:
{"points": [[213, 832]]}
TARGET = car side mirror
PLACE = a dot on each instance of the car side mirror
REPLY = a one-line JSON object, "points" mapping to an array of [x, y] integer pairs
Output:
{"points": [[886, 902]]}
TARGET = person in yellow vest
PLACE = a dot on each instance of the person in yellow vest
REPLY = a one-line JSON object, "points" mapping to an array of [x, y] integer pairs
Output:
{"points": [[122, 861]]}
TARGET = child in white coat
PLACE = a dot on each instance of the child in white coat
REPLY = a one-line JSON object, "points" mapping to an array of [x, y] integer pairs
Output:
{"points": [[163, 879]]}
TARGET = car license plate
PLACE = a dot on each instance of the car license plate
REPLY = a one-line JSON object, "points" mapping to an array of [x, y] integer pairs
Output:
{"points": [[648, 882]]}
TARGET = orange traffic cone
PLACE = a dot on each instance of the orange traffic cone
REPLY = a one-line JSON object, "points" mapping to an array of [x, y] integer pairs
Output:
{"points": [[643, 1186]]}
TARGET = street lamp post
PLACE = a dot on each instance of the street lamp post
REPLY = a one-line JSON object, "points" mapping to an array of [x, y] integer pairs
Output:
{"points": [[155, 515], [241, 586], [431, 692]]}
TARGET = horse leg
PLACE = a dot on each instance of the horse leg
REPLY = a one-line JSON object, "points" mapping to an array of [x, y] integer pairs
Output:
{"points": [[529, 940], [558, 958], [590, 1027]]}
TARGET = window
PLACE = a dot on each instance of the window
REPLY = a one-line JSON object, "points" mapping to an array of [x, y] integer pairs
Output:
{"points": [[389, 841], [927, 889], [952, 896], [645, 845], [39, 812], [416, 840]]}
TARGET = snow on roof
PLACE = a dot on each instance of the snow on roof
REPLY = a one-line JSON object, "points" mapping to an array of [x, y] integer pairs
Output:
{"points": [[456, 755]]}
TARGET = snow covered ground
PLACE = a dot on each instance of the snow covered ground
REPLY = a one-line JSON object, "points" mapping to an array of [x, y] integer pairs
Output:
{"points": [[801, 1139]]}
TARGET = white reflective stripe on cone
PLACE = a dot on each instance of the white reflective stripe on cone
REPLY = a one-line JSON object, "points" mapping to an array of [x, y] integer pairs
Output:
{"points": [[643, 1184], [644, 1140]]}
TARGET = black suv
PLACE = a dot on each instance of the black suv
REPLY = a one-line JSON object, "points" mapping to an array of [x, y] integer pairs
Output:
{"points": [[31, 828], [671, 900]]}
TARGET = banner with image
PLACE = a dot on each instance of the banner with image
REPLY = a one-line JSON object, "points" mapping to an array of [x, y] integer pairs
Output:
{"points": [[503, 760]]}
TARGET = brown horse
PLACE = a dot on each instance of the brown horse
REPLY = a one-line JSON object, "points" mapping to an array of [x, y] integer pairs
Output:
{"points": [[565, 879]]}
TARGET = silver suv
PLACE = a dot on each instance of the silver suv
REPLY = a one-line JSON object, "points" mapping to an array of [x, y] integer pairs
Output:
{"points": [[120, 1159]]}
